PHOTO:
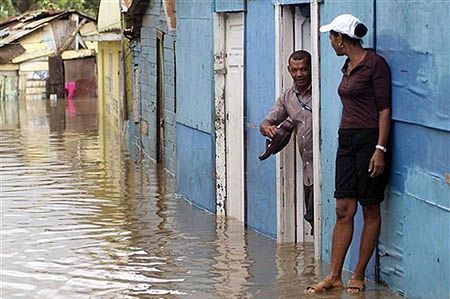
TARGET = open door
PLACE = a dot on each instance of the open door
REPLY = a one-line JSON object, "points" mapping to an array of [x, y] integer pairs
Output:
{"points": [[294, 33], [159, 96]]}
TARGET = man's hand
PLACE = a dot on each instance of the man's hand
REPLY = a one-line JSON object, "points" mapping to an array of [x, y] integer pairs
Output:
{"points": [[267, 129], [376, 165]]}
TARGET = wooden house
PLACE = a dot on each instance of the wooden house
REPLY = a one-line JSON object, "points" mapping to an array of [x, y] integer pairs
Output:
{"points": [[31, 46], [112, 62], [153, 41]]}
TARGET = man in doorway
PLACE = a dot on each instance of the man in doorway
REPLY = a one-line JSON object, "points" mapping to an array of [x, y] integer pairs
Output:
{"points": [[295, 103]]}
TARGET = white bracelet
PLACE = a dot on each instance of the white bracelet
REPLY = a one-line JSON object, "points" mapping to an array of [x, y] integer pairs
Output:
{"points": [[381, 148]]}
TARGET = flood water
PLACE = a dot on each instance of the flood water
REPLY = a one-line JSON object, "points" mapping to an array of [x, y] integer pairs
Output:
{"points": [[81, 217]]}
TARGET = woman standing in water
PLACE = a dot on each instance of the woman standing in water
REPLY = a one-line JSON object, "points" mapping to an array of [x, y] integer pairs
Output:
{"points": [[362, 163]]}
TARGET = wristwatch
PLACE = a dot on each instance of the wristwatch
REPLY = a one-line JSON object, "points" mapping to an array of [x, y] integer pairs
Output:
{"points": [[381, 148]]}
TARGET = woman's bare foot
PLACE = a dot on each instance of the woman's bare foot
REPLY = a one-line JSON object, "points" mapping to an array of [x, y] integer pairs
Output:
{"points": [[327, 284], [355, 285]]}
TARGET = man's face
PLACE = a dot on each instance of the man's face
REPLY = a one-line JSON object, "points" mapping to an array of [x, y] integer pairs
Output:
{"points": [[300, 71]]}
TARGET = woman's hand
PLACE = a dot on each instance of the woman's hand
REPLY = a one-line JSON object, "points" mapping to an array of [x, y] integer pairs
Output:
{"points": [[376, 165]]}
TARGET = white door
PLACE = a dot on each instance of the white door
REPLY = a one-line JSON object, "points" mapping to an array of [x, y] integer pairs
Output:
{"points": [[234, 111]]}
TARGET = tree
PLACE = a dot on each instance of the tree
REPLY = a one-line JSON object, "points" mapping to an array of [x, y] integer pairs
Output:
{"points": [[22, 6], [9, 8], [6, 9], [88, 6]]}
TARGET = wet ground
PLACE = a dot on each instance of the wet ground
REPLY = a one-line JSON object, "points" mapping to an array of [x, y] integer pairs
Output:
{"points": [[80, 218]]}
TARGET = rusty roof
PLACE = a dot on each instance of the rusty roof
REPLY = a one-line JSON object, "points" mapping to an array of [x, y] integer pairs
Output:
{"points": [[14, 28]]}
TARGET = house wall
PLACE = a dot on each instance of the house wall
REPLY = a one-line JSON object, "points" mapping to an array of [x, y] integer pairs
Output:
{"points": [[145, 57], [414, 245], [110, 101], [260, 95], [9, 81], [195, 98], [38, 41], [414, 241], [195, 109]]}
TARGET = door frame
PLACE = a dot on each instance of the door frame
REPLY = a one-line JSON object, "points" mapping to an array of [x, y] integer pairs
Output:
{"points": [[285, 172], [220, 23], [284, 215], [160, 96]]}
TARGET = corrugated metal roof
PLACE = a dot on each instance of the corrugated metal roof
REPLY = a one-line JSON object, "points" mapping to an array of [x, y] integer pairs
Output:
{"points": [[17, 32], [17, 27]]}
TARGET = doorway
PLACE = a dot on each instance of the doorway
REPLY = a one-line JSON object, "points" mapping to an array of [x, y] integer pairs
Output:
{"points": [[159, 96], [294, 33], [229, 110]]}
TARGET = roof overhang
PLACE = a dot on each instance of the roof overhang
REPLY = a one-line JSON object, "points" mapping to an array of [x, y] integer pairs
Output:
{"points": [[104, 37]]}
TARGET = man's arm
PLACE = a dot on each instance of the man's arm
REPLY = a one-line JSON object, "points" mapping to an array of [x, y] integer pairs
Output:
{"points": [[278, 113]]}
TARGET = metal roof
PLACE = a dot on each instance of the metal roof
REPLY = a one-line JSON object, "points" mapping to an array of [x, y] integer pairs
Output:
{"points": [[14, 28]]}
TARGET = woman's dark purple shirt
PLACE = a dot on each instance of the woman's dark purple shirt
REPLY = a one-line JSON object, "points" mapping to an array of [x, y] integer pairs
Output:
{"points": [[365, 92]]}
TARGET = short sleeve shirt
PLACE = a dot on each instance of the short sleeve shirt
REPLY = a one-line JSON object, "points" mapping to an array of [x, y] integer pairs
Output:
{"points": [[364, 92], [288, 105]]}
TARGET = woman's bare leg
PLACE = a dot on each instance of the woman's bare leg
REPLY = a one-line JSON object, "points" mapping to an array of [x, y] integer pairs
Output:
{"points": [[342, 237], [369, 237], [342, 234]]}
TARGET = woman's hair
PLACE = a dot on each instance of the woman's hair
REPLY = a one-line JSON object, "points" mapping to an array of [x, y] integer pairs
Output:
{"points": [[360, 31]]}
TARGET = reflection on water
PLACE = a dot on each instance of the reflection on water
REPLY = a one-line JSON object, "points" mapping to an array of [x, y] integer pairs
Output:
{"points": [[81, 219]]}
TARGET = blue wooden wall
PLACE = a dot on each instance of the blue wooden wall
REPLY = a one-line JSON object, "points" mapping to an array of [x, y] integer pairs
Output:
{"points": [[229, 5], [259, 98], [195, 103], [414, 241], [414, 244]]}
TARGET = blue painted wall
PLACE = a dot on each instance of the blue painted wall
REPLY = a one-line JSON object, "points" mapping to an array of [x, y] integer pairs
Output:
{"points": [[195, 109], [414, 242], [414, 245], [195, 98], [144, 56], [229, 5], [259, 98]]}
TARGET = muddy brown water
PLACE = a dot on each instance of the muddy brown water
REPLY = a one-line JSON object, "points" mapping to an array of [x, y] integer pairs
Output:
{"points": [[82, 218]]}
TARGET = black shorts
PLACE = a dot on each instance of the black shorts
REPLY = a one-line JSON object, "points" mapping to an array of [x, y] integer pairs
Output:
{"points": [[356, 147]]}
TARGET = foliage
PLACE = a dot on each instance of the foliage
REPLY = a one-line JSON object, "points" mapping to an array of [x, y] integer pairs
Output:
{"points": [[11, 7], [6, 9], [87, 6]]}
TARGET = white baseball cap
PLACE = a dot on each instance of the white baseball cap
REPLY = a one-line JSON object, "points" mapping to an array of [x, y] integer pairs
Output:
{"points": [[344, 24]]}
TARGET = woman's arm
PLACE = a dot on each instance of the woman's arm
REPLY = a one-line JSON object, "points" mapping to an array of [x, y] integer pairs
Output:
{"points": [[376, 165]]}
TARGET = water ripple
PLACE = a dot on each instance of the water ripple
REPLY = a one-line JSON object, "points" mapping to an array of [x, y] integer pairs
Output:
{"points": [[81, 219]]}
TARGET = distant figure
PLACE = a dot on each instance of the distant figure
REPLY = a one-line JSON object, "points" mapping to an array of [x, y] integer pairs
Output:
{"points": [[295, 103], [70, 89], [362, 164]]}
